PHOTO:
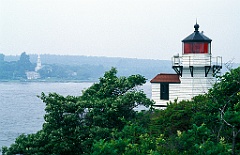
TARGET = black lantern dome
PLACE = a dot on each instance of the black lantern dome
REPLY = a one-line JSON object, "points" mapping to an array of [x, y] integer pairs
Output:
{"points": [[196, 42]]}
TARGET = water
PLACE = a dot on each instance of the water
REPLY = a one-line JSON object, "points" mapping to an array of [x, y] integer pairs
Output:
{"points": [[21, 111]]}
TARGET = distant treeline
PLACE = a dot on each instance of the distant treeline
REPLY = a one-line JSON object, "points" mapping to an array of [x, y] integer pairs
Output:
{"points": [[73, 67], [68, 67], [15, 70]]}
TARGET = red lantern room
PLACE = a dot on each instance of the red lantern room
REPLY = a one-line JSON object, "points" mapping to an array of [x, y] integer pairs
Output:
{"points": [[196, 55], [196, 43]]}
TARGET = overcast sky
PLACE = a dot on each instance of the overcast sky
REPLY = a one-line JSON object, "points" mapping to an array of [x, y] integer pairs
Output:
{"points": [[151, 29]]}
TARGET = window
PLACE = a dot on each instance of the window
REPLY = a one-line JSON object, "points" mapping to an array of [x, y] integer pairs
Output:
{"points": [[164, 91], [196, 47]]}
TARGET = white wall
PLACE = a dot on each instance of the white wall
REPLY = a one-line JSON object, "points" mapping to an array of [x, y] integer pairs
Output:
{"points": [[196, 60], [188, 88], [173, 93]]}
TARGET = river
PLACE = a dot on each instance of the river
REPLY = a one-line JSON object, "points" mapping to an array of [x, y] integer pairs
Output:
{"points": [[21, 111]]}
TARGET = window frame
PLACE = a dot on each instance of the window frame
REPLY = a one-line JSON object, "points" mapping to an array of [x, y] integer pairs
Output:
{"points": [[164, 91]]}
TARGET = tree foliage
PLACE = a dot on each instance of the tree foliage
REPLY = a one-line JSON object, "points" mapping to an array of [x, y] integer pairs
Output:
{"points": [[73, 124], [103, 121], [15, 69]]}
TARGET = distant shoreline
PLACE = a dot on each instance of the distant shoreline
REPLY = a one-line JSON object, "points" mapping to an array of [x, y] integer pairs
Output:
{"points": [[50, 81]]}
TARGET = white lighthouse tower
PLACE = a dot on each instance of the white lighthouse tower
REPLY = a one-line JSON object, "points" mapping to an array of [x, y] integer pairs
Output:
{"points": [[39, 64], [195, 71]]}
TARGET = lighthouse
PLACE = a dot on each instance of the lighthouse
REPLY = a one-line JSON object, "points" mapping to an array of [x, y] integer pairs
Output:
{"points": [[39, 64], [195, 71]]}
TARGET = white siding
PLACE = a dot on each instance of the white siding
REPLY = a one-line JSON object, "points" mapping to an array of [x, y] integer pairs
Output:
{"points": [[156, 92], [188, 88], [192, 86], [173, 93], [196, 60]]}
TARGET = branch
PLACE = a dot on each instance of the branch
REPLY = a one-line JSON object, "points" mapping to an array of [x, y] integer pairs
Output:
{"points": [[222, 113], [229, 64], [219, 131], [237, 132], [222, 110]]}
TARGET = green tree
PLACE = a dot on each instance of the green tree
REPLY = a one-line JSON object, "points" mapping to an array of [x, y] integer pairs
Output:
{"points": [[226, 95], [73, 124], [24, 61], [23, 65], [112, 101], [200, 140], [132, 139]]}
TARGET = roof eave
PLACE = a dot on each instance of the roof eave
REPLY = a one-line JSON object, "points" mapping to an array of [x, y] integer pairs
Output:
{"points": [[197, 37], [166, 82]]}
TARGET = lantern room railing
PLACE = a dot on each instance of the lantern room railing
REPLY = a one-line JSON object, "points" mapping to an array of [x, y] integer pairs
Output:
{"points": [[196, 60]]}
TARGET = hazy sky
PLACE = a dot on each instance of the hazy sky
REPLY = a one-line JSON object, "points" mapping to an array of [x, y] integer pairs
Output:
{"points": [[151, 29]]}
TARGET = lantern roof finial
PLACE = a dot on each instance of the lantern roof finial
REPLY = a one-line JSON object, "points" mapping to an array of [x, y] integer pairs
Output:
{"points": [[196, 36], [196, 26]]}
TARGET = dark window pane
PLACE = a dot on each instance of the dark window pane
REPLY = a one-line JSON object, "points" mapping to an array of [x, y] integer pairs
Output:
{"points": [[164, 91]]}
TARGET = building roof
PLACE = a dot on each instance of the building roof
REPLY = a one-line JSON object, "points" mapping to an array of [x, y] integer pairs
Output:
{"points": [[197, 36], [166, 78]]}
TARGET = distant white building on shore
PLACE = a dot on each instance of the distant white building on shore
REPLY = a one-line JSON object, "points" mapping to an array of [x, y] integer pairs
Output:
{"points": [[31, 75]]}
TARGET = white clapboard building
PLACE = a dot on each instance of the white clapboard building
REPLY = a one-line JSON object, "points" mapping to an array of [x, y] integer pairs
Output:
{"points": [[195, 70]]}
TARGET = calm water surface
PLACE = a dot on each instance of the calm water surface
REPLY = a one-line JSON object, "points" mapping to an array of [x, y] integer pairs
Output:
{"points": [[21, 111]]}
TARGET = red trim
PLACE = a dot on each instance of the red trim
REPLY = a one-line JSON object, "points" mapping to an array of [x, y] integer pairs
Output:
{"points": [[166, 78]]}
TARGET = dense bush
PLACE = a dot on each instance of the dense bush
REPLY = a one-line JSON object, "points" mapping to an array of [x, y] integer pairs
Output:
{"points": [[102, 121]]}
